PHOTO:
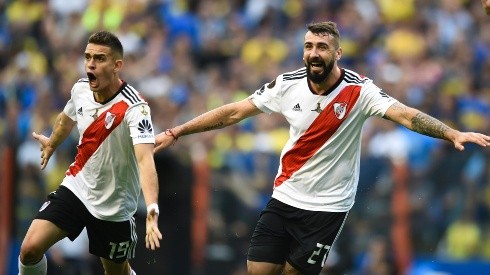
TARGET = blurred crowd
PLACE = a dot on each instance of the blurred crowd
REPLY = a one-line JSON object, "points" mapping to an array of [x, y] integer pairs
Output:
{"points": [[187, 57]]}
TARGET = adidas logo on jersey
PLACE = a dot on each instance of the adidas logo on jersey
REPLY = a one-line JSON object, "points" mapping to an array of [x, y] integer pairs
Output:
{"points": [[297, 108], [80, 111]]}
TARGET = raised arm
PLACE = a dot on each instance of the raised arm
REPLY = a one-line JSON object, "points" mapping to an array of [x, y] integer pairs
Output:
{"points": [[215, 119], [149, 186], [422, 123], [62, 128]]}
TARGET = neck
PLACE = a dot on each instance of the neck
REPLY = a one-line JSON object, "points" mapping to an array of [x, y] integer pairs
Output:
{"points": [[110, 91]]}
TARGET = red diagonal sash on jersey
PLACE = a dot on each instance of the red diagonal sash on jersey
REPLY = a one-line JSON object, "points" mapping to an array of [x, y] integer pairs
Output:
{"points": [[95, 134], [322, 128]]}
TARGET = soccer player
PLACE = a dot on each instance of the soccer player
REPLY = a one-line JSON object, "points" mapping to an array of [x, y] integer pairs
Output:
{"points": [[317, 178], [113, 163], [486, 6]]}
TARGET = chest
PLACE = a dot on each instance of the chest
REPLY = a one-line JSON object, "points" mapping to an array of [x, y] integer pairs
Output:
{"points": [[303, 109], [89, 112]]}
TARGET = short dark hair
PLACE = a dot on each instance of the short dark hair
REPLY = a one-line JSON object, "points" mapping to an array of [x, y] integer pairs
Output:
{"points": [[108, 39], [325, 28]]}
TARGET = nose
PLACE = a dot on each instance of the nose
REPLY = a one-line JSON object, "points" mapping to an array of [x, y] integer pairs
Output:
{"points": [[90, 63], [314, 52]]}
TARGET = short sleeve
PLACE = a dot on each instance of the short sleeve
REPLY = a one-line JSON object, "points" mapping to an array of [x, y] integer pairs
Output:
{"points": [[70, 108], [138, 118], [268, 97], [374, 101]]}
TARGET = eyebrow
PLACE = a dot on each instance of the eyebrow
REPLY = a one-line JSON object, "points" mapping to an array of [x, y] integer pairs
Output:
{"points": [[317, 43], [96, 55]]}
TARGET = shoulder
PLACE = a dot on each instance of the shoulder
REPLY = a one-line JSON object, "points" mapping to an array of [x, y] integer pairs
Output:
{"points": [[132, 96], [289, 80], [294, 75], [355, 78], [81, 86], [82, 82]]}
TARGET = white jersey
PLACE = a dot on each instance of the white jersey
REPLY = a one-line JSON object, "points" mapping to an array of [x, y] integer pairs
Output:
{"points": [[319, 165], [105, 174]]}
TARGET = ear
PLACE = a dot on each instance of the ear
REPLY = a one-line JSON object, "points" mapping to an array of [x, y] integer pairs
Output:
{"points": [[339, 53], [118, 65]]}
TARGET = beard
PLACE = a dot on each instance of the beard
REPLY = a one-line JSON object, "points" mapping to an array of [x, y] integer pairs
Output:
{"points": [[319, 78]]}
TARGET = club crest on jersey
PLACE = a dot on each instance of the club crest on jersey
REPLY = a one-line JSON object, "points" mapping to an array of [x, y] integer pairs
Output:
{"points": [[340, 109], [109, 119]]}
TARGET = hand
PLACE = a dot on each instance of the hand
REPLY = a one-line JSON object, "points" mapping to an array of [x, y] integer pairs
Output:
{"points": [[46, 149], [486, 6], [163, 140], [153, 235], [480, 139]]}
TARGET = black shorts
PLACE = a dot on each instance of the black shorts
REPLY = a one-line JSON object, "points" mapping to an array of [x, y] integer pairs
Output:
{"points": [[303, 238], [115, 241]]}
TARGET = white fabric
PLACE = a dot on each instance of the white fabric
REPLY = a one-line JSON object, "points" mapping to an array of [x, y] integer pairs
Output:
{"points": [[105, 173], [327, 181], [40, 268]]}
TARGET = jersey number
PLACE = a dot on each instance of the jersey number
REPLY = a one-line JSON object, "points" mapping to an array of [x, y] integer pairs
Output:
{"points": [[317, 252], [120, 250]]}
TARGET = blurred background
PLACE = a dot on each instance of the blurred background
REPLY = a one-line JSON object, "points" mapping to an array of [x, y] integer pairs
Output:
{"points": [[422, 207]]}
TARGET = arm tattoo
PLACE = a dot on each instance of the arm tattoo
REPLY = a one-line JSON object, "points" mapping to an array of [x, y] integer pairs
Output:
{"points": [[215, 126], [398, 107], [429, 126]]}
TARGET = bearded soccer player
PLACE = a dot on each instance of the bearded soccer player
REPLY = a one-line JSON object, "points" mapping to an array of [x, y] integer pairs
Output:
{"points": [[317, 178], [113, 164]]}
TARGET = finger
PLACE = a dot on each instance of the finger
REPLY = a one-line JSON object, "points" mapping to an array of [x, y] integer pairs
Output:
{"points": [[486, 140], [152, 242], [157, 148], [481, 140], [155, 239], [459, 146], [157, 232]]}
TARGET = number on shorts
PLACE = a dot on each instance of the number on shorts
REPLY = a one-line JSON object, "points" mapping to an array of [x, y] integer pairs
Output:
{"points": [[317, 253], [122, 250]]}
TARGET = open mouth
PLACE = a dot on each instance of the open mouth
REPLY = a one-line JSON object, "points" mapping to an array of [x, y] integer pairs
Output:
{"points": [[91, 77], [316, 63]]}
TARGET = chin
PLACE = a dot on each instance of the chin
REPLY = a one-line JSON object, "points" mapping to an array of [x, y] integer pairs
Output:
{"points": [[316, 78]]}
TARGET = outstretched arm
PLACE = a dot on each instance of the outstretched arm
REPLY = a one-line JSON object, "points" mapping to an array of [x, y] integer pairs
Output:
{"points": [[486, 6], [422, 123], [61, 130], [215, 119], [149, 186]]}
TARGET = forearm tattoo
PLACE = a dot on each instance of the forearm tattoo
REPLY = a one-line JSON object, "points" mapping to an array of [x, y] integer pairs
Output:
{"points": [[215, 126], [427, 125]]}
